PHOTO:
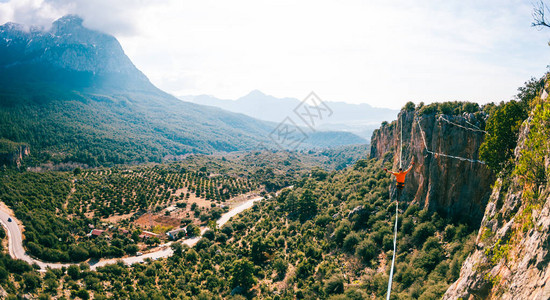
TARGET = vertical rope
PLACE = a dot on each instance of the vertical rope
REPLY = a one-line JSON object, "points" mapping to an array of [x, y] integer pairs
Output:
{"points": [[390, 281], [401, 143]]}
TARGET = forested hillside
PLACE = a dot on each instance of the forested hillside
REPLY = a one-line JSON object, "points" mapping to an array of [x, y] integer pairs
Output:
{"points": [[75, 99], [330, 235]]}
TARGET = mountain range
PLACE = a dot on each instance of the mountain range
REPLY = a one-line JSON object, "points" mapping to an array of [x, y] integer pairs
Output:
{"points": [[73, 95], [361, 119]]}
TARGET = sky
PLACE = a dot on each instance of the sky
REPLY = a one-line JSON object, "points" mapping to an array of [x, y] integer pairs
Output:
{"points": [[383, 53]]}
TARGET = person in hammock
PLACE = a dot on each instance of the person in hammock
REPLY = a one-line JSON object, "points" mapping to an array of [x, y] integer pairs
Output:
{"points": [[400, 176]]}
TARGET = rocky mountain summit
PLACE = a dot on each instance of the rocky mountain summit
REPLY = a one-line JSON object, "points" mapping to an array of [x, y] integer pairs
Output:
{"points": [[458, 186], [513, 242], [67, 53]]}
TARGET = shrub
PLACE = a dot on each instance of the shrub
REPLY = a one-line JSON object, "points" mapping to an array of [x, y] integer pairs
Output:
{"points": [[366, 250], [243, 274], [422, 232], [335, 285], [280, 266], [409, 106], [351, 241]]}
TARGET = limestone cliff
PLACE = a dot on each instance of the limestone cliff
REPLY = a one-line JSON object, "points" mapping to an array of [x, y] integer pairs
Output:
{"points": [[512, 255], [453, 187], [11, 153]]}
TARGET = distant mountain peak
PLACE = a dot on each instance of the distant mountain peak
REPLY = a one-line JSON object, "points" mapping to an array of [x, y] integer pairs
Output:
{"points": [[67, 23], [69, 20], [254, 95], [68, 54], [11, 26]]}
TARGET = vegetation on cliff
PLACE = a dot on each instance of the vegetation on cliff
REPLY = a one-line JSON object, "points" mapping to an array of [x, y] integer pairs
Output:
{"points": [[503, 124], [511, 256]]}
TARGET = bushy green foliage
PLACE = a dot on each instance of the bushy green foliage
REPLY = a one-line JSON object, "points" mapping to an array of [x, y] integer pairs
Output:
{"points": [[7, 146], [503, 129], [448, 108], [333, 254], [334, 285], [531, 166], [409, 106], [242, 274]]}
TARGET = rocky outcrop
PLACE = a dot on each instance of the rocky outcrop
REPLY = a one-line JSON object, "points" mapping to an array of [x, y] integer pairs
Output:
{"points": [[14, 154], [512, 256], [453, 187]]}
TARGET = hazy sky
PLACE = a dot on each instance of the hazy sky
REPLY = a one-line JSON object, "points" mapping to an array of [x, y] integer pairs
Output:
{"points": [[380, 52]]}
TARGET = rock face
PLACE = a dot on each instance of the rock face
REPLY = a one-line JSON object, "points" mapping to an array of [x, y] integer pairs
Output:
{"points": [[67, 53], [453, 187], [513, 242], [14, 156]]}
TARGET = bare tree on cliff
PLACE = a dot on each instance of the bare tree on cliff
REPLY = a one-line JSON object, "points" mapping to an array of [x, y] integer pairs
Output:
{"points": [[539, 15]]}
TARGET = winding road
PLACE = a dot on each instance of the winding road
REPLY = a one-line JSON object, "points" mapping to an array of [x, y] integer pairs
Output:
{"points": [[17, 251]]}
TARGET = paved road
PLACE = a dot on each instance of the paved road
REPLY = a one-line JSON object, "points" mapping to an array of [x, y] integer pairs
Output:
{"points": [[17, 251], [15, 244]]}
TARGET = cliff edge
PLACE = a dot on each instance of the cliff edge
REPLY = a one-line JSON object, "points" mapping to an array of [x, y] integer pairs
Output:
{"points": [[512, 246], [448, 177]]}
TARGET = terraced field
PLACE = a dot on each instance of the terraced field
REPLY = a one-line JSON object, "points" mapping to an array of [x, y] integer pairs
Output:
{"points": [[104, 193]]}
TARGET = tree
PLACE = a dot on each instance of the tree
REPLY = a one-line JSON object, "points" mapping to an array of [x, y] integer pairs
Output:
{"points": [[192, 256], [366, 250], [131, 249], [242, 274], [351, 241], [503, 129], [31, 281], [77, 171], [51, 285], [335, 285], [77, 253], [409, 106], [73, 271], [193, 230], [3, 274], [539, 15], [304, 269], [343, 229], [280, 266], [307, 206], [422, 232], [178, 249], [82, 294]]}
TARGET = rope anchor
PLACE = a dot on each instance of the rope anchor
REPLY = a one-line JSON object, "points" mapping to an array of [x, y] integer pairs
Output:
{"points": [[437, 154]]}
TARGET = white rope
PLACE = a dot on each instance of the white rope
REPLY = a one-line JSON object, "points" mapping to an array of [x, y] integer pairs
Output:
{"points": [[442, 154], [476, 127], [400, 124], [401, 142], [476, 130], [390, 281]]}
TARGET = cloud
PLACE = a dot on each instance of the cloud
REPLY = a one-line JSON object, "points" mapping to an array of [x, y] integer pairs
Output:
{"points": [[114, 17]]}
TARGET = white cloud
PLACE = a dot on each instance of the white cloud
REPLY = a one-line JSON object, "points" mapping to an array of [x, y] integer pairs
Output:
{"points": [[381, 52]]}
